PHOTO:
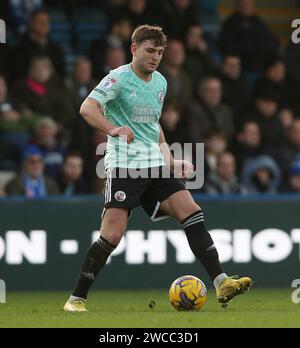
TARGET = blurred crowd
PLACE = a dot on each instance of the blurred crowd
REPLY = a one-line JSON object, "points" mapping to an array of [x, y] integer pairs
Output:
{"points": [[238, 93]]}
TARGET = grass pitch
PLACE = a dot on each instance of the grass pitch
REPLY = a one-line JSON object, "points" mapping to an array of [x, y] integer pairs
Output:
{"points": [[258, 308]]}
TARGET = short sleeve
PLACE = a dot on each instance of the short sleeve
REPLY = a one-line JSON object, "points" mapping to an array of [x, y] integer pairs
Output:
{"points": [[108, 89]]}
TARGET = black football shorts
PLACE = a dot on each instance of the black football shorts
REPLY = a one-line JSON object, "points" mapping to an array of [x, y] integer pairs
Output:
{"points": [[123, 189]]}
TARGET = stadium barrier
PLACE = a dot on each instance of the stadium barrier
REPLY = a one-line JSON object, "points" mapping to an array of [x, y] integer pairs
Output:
{"points": [[42, 243]]}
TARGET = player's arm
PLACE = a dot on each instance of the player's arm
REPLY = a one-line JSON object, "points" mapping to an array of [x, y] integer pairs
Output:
{"points": [[92, 112]]}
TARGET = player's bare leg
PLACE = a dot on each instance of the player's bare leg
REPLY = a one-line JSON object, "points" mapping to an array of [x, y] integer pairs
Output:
{"points": [[183, 208], [113, 226]]}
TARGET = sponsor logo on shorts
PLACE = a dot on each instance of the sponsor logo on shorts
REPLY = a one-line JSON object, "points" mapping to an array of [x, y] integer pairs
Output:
{"points": [[120, 196]]}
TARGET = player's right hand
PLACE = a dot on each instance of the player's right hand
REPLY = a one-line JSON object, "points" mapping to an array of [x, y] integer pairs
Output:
{"points": [[124, 132]]}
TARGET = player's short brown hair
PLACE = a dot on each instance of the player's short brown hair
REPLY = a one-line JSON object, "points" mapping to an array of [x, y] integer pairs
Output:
{"points": [[148, 32]]}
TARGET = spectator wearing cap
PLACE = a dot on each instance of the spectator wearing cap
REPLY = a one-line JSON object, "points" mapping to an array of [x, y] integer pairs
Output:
{"points": [[32, 183], [70, 180], [294, 177], [47, 139]]}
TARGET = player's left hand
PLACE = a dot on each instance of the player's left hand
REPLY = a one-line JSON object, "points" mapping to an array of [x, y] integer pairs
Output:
{"points": [[183, 168]]}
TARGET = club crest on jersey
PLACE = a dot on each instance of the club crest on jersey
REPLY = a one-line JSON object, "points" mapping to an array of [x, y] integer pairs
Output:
{"points": [[120, 196], [108, 82], [161, 96]]}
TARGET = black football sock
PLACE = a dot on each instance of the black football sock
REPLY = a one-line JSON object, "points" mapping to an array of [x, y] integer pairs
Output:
{"points": [[201, 244], [94, 260]]}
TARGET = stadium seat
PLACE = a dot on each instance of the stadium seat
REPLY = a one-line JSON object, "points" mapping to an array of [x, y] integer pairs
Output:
{"points": [[209, 6], [61, 32], [89, 24], [57, 14], [61, 28]]}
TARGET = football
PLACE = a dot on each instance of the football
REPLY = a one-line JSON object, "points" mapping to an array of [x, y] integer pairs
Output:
{"points": [[188, 293]]}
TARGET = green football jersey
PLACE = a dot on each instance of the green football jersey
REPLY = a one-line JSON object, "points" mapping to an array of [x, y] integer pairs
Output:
{"points": [[127, 100]]}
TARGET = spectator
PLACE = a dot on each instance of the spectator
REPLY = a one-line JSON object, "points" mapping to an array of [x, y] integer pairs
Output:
{"points": [[118, 37], [6, 62], [179, 81], [294, 177], [41, 94], [15, 129], [70, 181], [178, 15], [247, 36], [261, 175], [207, 113], [291, 148], [236, 92], [292, 59], [114, 8], [248, 144], [81, 82], [32, 182], [172, 125], [265, 113], [198, 62], [224, 180], [47, 140], [3, 91], [20, 12], [286, 118], [215, 145], [113, 58], [35, 42], [276, 82], [138, 12]]}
